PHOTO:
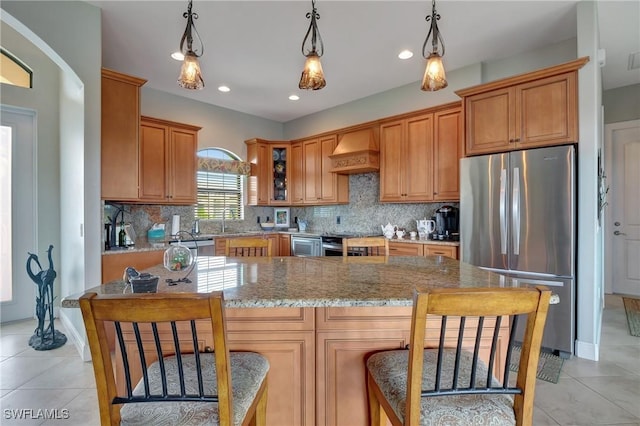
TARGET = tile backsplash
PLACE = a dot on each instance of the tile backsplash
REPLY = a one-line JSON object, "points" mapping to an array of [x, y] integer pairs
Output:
{"points": [[363, 214]]}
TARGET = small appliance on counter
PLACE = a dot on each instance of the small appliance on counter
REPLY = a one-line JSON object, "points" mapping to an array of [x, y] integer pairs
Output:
{"points": [[446, 220]]}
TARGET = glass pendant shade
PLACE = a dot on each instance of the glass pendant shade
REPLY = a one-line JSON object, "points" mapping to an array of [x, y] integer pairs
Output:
{"points": [[177, 257], [312, 75], [434, 75], [190, 75]]}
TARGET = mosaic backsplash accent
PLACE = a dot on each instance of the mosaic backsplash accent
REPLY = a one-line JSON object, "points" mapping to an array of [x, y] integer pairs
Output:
{"points": [[363, 214]]}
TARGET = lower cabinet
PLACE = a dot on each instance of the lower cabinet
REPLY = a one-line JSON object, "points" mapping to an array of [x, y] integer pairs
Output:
{"points": [[441, 250], [344, 338], [405, 249], [399, 248], [284, 245], [291, 356], [113, 265]]}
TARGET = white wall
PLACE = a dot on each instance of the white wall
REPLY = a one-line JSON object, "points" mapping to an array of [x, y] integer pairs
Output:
{"points": [[621, 104], [391, 102], [221, 127], [70, 34], [590, 289], [43, 98]]}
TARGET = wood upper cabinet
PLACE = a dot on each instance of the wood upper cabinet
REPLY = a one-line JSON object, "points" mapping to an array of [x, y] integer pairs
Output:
{"points": [[406, 167], [526, 111], [320, 186], [270, 181], [297, 173], [168, 162], [119, 136], [419, 157], [447, 151]]}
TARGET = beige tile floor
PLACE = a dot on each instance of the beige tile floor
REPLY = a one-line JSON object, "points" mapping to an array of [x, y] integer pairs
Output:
{"points": [[606, 392]]}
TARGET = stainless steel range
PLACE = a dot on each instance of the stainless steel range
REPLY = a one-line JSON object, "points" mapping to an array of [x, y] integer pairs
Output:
{"points": [[332, 243], [328, 244]]}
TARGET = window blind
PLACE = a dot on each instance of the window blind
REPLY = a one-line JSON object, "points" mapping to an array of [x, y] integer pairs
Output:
{"points": [[220, 194]]}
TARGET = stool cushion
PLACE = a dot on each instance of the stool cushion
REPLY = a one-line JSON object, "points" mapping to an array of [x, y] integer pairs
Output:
{"points": [[389, 370], [248, 371]]}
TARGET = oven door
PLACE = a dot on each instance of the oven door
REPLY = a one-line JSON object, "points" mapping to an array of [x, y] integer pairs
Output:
{"points": [[331, 249]]}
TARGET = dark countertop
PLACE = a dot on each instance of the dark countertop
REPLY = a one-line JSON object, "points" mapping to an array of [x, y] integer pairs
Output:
{"points": [[314, 281]]}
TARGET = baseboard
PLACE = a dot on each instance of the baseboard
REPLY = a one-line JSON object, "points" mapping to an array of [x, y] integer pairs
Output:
{"points": [[590, 351], [76, 336]]}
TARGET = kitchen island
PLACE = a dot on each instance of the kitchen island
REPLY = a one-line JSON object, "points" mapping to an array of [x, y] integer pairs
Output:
{"points": [[316, 318]]}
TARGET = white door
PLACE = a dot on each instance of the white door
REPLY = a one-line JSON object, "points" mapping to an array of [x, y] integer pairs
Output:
{"points": [[17, 213], [623, 218]]}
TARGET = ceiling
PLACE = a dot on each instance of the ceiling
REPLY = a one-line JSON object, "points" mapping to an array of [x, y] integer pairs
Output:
{"points": [[254, 47]]}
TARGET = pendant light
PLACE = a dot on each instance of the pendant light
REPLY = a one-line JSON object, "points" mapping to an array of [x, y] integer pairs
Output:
{"points": [[190, 74], [434, 75], [312, 75]]}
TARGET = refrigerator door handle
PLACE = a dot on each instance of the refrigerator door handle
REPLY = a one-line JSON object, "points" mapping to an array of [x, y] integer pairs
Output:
{"points": [[503, 211], [515, 210]]}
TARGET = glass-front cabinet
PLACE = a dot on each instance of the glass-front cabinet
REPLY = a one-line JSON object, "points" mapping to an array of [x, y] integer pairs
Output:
{"points": [[270, 175]]}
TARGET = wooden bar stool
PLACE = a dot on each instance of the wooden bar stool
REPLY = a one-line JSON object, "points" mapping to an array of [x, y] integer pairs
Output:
{"points": [[238, 247], [366, 246], [180, 383], [450, 384]]}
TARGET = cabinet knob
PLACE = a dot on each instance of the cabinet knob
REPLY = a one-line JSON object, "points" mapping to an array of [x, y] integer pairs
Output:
{"points": [[208, 349]]}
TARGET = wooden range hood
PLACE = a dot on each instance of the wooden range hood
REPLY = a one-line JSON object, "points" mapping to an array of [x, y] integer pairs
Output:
{"points": [[357, 152]]}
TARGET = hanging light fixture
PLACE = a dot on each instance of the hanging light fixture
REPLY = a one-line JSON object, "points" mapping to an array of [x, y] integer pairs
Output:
{"points": [[434, 76], [312, 75], [190, 75]]}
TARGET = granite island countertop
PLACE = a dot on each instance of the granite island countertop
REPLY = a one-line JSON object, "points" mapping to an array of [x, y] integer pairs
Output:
{"points": [[314, 281]]}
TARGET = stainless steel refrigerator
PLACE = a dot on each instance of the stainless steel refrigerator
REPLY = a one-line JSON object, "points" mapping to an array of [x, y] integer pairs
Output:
{"points": [[518, 218]]}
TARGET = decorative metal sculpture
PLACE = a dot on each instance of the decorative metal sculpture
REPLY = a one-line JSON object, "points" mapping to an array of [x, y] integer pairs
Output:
{"points": [[44, 338]]}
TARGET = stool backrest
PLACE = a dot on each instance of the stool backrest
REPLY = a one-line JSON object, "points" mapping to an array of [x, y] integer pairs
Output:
{"points": [[150, 318], [239, 247], [366, 246]]}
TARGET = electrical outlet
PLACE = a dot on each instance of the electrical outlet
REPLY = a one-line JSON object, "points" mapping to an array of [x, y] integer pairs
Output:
{"points": [[338, 220]]}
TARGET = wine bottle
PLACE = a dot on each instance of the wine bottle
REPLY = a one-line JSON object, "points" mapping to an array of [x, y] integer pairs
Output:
{"points": [[122, 236]]}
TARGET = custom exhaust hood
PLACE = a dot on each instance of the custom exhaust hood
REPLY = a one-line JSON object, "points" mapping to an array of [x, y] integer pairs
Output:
{"points": [[357, 152]]}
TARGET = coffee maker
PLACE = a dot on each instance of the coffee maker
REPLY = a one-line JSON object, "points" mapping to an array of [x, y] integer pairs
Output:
{"points": [[446, 219]]}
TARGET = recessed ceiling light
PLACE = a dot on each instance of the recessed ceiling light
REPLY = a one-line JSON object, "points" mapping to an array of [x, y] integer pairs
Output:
{"points": [[405, 54], [224, 89], [178, 56], [294, 97]]}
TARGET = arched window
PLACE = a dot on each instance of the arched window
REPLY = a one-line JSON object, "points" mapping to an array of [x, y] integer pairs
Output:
{"points": [[220, 185], [13, 71]]}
